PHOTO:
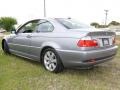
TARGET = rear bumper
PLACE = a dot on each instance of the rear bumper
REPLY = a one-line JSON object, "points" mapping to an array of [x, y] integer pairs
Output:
{"points": [[86, 58]]}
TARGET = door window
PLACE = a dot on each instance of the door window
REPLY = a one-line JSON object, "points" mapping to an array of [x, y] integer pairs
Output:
{"points": [[45, 27], [29, 27]]}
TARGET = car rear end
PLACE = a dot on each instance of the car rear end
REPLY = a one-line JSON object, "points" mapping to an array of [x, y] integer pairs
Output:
{"points": [[94, 48], [98, 47]]}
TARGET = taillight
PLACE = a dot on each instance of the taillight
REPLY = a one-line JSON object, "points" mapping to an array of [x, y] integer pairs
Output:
{"points": [[87, 43]]}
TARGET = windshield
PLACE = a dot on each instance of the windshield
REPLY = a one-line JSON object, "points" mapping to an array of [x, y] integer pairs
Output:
{"points": [[72, 24]]}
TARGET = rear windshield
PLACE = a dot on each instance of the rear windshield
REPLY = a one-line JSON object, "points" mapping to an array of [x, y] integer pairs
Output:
{"points": [[72, 24]]}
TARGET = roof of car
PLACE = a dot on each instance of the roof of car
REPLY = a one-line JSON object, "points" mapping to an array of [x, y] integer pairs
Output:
{"points": [[47, 18]]}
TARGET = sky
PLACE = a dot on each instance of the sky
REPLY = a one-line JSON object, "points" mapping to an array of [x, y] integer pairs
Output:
{"points": [[85, 11]]}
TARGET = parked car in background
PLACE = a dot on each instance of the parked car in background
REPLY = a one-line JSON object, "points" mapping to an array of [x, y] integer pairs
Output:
{"points": [[2, 31], [61, 43], [117, 32]]}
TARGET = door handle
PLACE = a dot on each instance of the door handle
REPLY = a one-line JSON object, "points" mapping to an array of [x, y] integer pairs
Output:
{"points": [[29, 36]]}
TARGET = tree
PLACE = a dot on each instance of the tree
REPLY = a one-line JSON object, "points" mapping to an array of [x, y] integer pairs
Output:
{"points": [[7, 23], [114, 23], [95, 24]]}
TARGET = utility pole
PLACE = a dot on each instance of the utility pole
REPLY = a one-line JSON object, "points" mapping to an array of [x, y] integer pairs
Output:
{"points": [[106, 15], [44, 8]]}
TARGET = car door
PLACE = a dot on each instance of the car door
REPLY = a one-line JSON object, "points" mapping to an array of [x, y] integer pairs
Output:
{"points": [[21, 42], [39, 37]]}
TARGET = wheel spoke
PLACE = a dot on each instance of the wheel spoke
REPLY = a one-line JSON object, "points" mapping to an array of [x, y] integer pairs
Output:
{"points": [[46, 58], [53, 65], [53, 60], [52, 55], [50, 67], [48, 53], [47, 62]]}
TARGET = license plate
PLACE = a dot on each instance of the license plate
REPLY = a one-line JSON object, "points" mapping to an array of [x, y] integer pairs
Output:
{"points": [[105, 41]]}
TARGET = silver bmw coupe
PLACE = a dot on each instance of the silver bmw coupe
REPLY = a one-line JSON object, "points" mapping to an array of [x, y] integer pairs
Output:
{"points": [[61, 43]]}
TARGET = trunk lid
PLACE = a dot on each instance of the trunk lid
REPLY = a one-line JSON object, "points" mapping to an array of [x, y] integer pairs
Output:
{"points": [[104, 38]]}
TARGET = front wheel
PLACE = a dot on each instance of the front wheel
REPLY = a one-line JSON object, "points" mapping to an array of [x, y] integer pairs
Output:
{"points": [[52, 61], [5, 47]]}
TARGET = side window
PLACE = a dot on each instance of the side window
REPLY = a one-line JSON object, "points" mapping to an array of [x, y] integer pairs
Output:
{"points": [[45, 27], [29, 27]]}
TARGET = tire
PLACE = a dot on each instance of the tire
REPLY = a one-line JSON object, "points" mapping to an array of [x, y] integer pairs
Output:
{"points": [[5, 47], [52, 61]]}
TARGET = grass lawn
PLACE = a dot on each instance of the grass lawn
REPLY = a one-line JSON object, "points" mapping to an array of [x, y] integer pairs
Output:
{"points": [[21, 74]]}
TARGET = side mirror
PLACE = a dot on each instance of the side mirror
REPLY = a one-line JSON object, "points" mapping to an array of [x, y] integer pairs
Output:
{"points": [[13, 31]]}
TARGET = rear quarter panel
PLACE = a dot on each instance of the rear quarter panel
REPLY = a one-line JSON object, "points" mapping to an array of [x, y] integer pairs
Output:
{"points": [[54, 40]]}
